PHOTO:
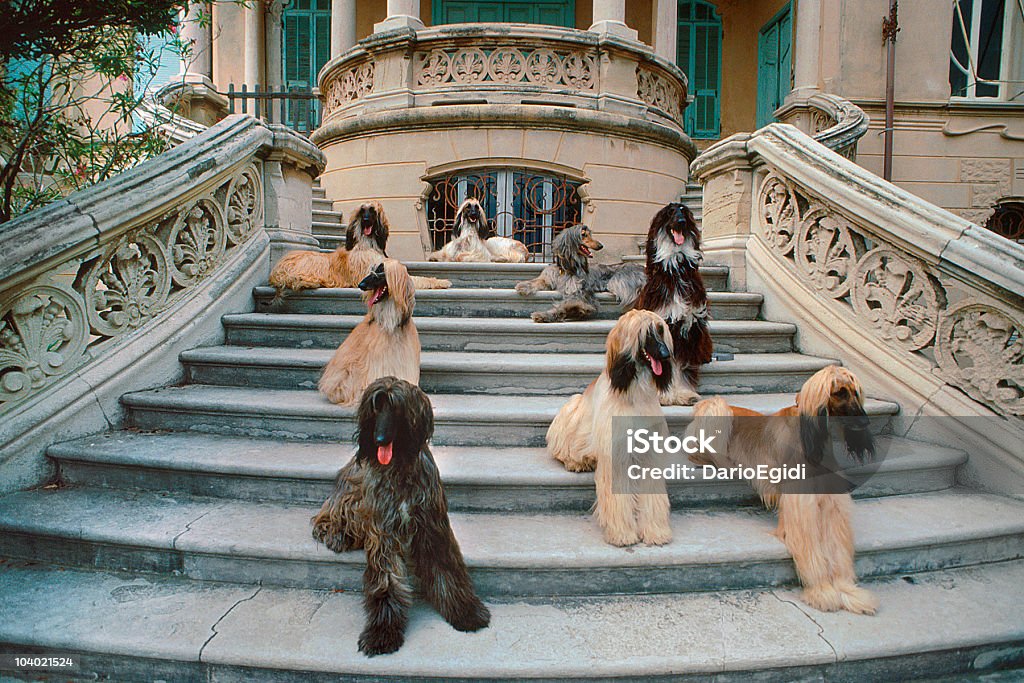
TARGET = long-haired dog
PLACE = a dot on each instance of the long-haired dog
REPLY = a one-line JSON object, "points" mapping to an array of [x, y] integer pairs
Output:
{"points": [[638, 352], [389, 500], [471, 243], [675, 291], [384, 343], [366, 240], [815, 527], [572, 276]]}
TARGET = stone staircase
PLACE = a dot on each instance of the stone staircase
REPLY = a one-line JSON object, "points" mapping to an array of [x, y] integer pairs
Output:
{"points": [[179, 547]]}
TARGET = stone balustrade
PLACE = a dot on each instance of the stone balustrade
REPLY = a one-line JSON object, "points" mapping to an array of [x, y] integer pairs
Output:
{"points": [[503, 64], [833, 121], [99, 285]]}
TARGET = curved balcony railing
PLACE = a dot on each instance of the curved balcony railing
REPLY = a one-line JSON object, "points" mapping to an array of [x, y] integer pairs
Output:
{"points": [[503, 64], [833, 121]]}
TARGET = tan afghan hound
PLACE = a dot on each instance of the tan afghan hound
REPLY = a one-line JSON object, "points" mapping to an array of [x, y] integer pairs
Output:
{"points": [[814, 525], [469, 244], [638, 352], [366, 239], [384, 343]]}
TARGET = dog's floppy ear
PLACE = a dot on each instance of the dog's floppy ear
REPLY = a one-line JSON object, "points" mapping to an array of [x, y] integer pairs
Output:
{"points": [[350, 231], [813, 435], [622, 372], [381, 235]]}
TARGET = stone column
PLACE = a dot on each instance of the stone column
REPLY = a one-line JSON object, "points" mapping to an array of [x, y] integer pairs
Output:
{"points": [[191, 93], [609, 19], [665, 24], [343, 26], [199, 59], [272, 48], [807, 51], [402, 14], [253, 41]]}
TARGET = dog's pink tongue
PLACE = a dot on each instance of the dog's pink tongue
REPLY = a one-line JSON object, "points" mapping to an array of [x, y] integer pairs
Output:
{"points": [[655, 366], [678, 237], [368, 230], [384, 454]]}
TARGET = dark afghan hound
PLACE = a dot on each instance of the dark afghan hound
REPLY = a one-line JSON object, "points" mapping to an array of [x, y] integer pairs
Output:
{"points": [[366, 240], [389, 500], [572, 276], [675, 291], [815, 527], [638, 352], [384, 343], [471, 243]]}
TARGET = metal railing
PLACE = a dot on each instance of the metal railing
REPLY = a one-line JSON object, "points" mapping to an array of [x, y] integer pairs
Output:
{"points": [[295, 108]]}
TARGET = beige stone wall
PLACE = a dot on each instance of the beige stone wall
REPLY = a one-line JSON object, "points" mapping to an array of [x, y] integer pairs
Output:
{"points": [[228, 45], [628, 180]]}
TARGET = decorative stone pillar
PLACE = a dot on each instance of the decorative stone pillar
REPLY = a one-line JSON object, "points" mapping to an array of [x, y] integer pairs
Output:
{"points": [[402, 14], [807, 51], [272, 49], [191, 93], [609, 19], [666, 22], [253, 41], [343, 26], [198, 59]]}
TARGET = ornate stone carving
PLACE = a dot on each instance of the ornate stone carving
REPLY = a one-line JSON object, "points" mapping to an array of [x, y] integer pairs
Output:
{"points": [[128, 286], [827, 250], [244, 207], [197, 242], [43, 333], [657, 91], [897, 298], [351, 85], [507, 65], [821, 120], [779, 211], [980, 348]]}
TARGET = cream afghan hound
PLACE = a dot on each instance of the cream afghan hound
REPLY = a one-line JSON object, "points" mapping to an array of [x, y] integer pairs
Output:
{"points": [[384, 343], [814, 526], [638, 352], [366, 240], [469, 244]]}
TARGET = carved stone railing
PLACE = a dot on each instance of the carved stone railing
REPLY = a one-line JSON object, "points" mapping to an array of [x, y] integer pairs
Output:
{"points": [[173, 126], [96, 282], [833, 121], [502, 64], [927, 306]]}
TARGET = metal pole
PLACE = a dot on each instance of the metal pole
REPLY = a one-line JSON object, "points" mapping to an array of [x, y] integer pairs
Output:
{"points": [[890, 27]]}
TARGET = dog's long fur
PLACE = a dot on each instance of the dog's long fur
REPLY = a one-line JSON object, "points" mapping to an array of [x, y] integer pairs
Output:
{"points": [[815, 527], [572, 276], [384, 343], [581, 438], [675, 290], [366, 239], [389, 500], [470, 244]]}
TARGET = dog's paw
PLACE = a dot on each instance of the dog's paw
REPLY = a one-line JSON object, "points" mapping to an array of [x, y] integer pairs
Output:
{"points": [[680, 398], [621, 539], [380, 641], [578, 466], [444, 284], [541, 317], [656, 536], [472, 618], [525, 289]]}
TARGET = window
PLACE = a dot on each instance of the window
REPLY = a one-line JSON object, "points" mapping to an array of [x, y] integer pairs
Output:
{"points": [[986, 56], [550, 12], [1008, 221], [306, 34], [774, 65], [699, 55], [529, 206]]}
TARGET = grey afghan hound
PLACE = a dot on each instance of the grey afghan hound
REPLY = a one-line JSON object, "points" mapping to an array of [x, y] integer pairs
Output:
{"points": [[579, 284]]}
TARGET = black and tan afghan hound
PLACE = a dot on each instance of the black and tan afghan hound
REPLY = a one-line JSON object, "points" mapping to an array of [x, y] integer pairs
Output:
{"points": [[814, 526], [572, 276], [638, 352], [366, 240], [675, 291], [384, 343], [471, 243], [389, 500]]}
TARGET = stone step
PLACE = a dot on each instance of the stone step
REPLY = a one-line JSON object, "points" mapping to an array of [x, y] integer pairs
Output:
{"points": [[488, 334], [175, 629], [459, 372], [506, 275], [479, 303], [319, 192], [330, 223], [509, 555], [328, 217], [476, 479], [459, 419]]}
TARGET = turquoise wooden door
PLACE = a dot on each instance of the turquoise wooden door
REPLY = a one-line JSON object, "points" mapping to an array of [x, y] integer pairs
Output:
{"points": [[699, 55], [774, 65], [550, 12], [306, 37]]}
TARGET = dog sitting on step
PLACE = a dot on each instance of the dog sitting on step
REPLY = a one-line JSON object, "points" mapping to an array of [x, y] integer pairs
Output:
{"points": [[469, 244], [389, 500], [384, 343]]}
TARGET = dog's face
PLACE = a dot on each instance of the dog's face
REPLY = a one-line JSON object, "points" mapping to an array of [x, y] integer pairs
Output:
{"points": [[835, 392], [471, 216], [395, 423], [674, 237], [368, 227], [376, 283], [640, 345], [573, 246]]}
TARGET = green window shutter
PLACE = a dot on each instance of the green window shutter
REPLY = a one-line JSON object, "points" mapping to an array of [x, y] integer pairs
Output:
{"points": [[774, 65], [553, 12], [699, 55], [517, 13]]}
